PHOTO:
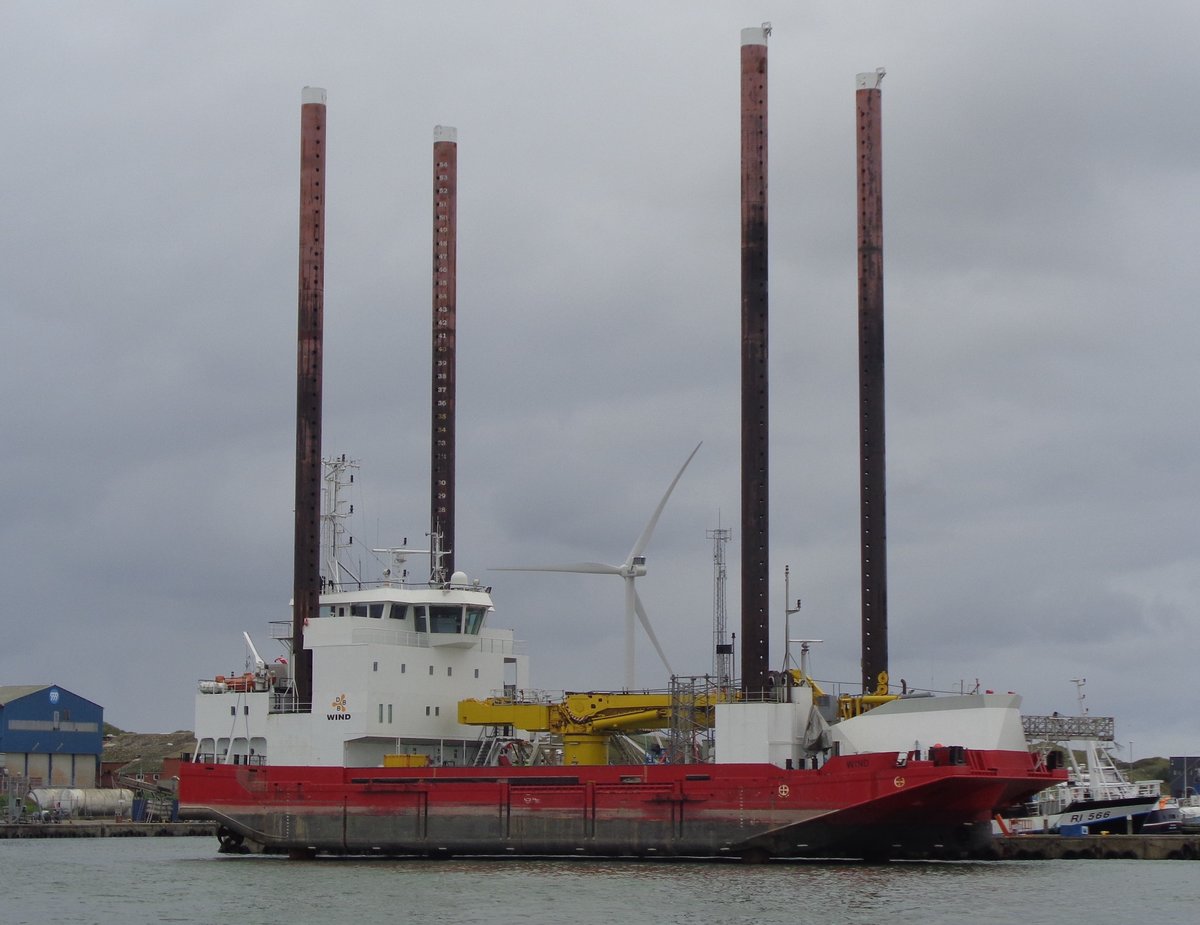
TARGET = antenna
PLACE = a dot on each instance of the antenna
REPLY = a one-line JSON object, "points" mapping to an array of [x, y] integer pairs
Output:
{"points": [[335, 511], [396, 573], [438, 559], [722, 647], [787, 617], [1079, 682]]}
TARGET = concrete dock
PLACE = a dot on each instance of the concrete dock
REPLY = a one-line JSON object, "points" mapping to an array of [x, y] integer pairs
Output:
{"points": [[1068, 847], [106, 829]]}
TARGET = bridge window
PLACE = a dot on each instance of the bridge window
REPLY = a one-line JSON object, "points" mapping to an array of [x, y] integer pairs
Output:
{"points": [[445, 619], [398, 611], [419, 618], [358, 610], [474, 621], [376, 611]]}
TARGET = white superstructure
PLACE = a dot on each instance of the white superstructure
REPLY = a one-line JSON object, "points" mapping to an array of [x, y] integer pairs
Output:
{"points": [[390, 664]]}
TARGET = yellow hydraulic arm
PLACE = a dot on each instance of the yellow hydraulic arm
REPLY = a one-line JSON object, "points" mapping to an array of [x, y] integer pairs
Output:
{"points": [[584, 721]]}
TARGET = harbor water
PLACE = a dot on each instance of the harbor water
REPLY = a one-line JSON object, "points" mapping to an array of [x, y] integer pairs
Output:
{"points": [[152, 880]]}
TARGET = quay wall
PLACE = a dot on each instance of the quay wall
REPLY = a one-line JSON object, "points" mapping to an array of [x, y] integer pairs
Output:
{"points": [[106, 829], [1068, 847]]}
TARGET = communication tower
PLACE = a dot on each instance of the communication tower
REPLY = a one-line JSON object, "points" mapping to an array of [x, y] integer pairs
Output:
{"points": [[338, 474], [722, 647]]}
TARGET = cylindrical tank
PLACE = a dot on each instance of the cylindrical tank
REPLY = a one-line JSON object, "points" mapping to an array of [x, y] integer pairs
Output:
{"points": [[78, 801]]}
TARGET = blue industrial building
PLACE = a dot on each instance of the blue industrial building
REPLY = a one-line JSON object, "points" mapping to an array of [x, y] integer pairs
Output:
{"points": [[50, 735]]}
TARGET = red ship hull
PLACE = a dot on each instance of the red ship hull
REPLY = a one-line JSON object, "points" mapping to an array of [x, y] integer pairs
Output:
{"points": [[859, 806]]}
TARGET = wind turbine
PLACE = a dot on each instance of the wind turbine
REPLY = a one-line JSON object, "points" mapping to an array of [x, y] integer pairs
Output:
{"points": [[633, 568]]}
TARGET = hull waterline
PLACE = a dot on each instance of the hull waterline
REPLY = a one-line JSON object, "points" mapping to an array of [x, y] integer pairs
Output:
{"points": [[864, 806]]}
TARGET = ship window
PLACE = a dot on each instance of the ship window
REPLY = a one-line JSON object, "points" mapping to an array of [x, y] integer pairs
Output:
{"points": [[376, 611], [474, 621], [374, 666], [437, 711], [358, 610], [341, 611], [477, 672], [449, 671], [445, 619], [381, 712], [419, 618], [427, 711], [326, 610], [398, 611], [389, 712], [431, 669], [402, 667]]}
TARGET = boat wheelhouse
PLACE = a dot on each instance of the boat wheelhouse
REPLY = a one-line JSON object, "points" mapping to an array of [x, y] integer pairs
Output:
{"points": [[390, 664]]}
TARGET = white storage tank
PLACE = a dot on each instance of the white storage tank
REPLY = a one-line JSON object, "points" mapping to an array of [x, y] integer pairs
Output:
{"points": [[77, 801]]}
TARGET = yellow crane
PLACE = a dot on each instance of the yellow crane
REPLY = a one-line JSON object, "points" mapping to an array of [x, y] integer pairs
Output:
{"points": [[586, 721], [583, 721]]}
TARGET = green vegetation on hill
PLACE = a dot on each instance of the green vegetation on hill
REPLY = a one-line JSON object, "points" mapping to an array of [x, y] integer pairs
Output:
{"points": [[144, 752], [1150, 769]]}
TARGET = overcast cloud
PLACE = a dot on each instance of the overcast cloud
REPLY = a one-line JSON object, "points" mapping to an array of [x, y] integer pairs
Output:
{"points": [[1041, 181]]}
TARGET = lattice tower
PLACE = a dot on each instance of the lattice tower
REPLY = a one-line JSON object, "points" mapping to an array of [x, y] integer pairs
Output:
{"points": [[722, 647]]}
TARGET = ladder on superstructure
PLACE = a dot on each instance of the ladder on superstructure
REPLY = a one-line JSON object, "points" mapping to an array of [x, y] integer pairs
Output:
{"points": [[689, 740]]}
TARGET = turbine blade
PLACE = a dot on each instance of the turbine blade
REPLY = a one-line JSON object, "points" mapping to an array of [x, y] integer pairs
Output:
{"points": [[641, 612], [644, 539], [585, 568]]}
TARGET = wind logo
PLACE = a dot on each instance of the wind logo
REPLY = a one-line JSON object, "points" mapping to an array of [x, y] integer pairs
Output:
{"points": [[341, 710]]}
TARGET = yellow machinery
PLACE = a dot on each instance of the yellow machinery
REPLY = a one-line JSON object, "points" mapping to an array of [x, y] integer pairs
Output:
{"points": [[406, 761], [583, 721], [849, 705]]}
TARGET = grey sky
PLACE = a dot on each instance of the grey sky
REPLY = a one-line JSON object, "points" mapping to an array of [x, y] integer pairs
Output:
{"points": [[1041, 171]]}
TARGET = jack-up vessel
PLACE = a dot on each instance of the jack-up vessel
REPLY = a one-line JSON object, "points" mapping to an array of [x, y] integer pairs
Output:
{"points": [[400, 721]]}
